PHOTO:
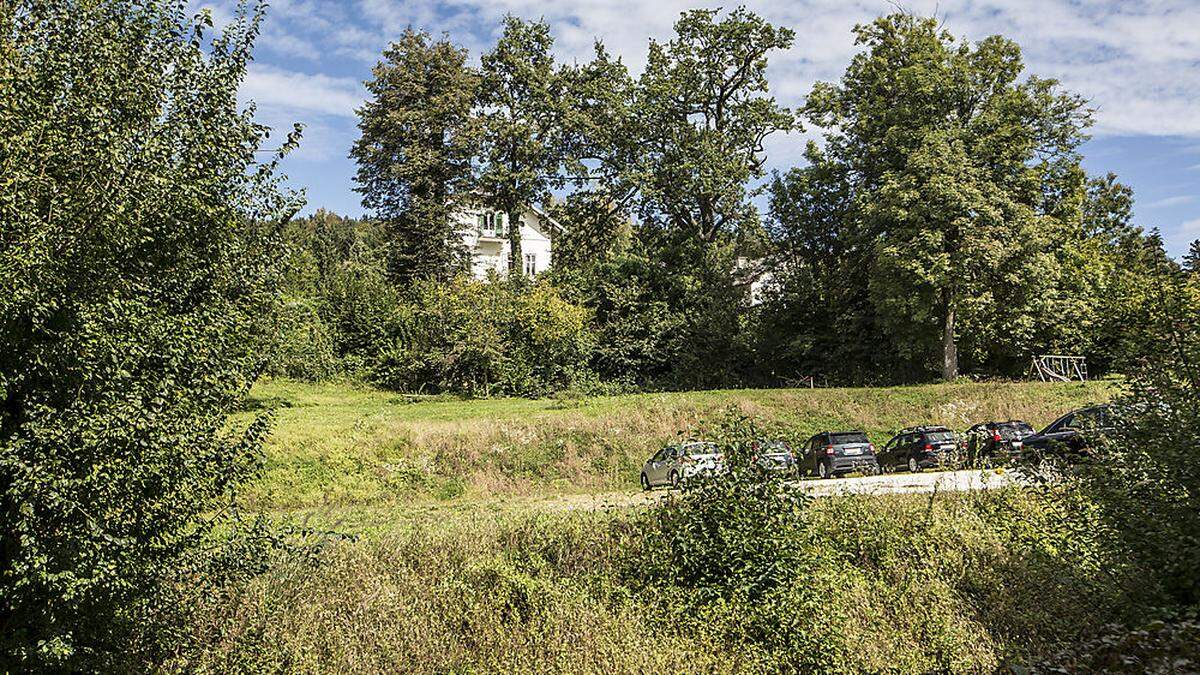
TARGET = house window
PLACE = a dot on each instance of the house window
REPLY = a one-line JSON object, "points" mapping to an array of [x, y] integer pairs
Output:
{"points": [[530, 264], [491, 224]]}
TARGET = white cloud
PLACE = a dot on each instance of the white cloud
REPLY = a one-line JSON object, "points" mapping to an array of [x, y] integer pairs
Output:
{"points": [[1178, 200], [1135, 61], [1179, 238], [302, 93]]}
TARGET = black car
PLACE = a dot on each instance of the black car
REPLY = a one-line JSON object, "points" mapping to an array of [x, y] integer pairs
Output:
{"points": [[1072, 432], [996, 440], [918, 448], [833, 452]]}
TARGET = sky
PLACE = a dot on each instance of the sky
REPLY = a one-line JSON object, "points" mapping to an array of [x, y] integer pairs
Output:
{"points": [[1138, 63]]}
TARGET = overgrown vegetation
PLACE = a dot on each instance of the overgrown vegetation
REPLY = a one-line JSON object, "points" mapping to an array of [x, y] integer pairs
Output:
{"points": [[138, 271], [149, 275], [959, 582]]}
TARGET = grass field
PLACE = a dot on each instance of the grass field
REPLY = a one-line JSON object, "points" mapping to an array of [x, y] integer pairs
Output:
{"points": [[349, 446], [453, 571]]}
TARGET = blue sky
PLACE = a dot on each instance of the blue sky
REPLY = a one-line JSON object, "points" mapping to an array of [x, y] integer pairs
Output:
{"points": [[1138, 63]]}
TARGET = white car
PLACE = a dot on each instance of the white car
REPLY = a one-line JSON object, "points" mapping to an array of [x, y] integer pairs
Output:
{"points": [[677, 463]]}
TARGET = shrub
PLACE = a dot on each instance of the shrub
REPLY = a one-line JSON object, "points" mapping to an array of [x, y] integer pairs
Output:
{"points": [[484, 339], [138, 271], [303, 346]]}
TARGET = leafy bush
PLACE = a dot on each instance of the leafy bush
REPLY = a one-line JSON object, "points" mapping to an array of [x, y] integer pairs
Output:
{"points": [[138, 273], [1146, 474], [303, 347], [732, 534], [483, 339]]}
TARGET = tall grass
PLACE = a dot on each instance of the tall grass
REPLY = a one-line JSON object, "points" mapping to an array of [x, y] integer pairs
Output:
{"points": [[961, 583], [340, 444]]}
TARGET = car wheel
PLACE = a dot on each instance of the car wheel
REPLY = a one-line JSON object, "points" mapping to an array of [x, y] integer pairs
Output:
{"points": [[645, 483], [823, 470], [913, 467], [675, 479]]}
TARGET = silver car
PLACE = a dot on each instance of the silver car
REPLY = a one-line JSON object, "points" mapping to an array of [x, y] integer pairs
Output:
{"points": [[676, 463], [775, 457]]}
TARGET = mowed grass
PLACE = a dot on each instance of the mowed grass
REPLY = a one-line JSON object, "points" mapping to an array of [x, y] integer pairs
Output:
{"points": [[342, 445]]}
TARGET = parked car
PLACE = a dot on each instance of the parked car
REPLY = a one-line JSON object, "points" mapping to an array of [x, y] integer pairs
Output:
{"points": [[775, 456], [830, 453], [1072, 432], [680, 462], [995, 439], [917, 448]]}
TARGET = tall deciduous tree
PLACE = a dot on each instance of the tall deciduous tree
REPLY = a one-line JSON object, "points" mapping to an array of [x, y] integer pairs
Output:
{"points": [[520, 109], [419, 135], [138, 259], [704, 111], [949, 148]]}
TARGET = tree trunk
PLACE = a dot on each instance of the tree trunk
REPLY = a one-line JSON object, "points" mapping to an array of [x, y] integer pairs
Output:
{"points": [[516, 263], [949, 348]]}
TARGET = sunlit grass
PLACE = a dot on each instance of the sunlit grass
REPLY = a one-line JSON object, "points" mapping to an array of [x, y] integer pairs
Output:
{"points": [[342, 444]]}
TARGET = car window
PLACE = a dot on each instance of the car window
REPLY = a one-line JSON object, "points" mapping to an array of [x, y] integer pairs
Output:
{"points": [[939, 436], [1090, 419], [1067, 422], [848, 437]]}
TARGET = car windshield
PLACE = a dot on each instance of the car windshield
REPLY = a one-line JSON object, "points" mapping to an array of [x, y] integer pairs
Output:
{"points": [[939, 436], [847, 437]]}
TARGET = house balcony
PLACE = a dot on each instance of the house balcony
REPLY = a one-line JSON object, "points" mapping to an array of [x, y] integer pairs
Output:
{"points": [[493, 235]]}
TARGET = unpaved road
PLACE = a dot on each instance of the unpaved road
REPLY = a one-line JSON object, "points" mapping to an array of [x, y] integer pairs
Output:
{"points": [[897, 483]]}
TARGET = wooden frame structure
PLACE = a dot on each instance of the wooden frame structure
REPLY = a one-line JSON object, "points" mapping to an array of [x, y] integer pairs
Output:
{"points": [[1059, 368]]}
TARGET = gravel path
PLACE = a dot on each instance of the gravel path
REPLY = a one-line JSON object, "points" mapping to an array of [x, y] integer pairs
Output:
{"points": [[897, 483]]}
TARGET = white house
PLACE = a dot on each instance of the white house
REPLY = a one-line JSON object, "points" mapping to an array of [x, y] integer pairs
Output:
{"points": [[485, 233]]}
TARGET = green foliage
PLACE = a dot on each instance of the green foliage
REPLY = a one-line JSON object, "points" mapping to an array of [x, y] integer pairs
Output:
{"points": [[946, 144], [1191, 261], [1146, 475], [419, 135], [734, 535], [520, 109], [138, 277], [484, 339], [303, 348], [704, 112]]}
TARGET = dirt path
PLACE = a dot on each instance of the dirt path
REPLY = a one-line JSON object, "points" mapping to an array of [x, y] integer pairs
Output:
{"points": [[899, 483]]}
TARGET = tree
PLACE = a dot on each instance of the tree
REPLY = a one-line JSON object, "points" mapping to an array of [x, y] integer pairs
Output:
{"points": [[138, 271], [519, 107], [818, 320], [415, 153], [949, 149], [1191, 260], [704, 113]]}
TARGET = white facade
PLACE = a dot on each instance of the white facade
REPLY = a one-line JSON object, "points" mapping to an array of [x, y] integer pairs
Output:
{"points": [[485, 233]]}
